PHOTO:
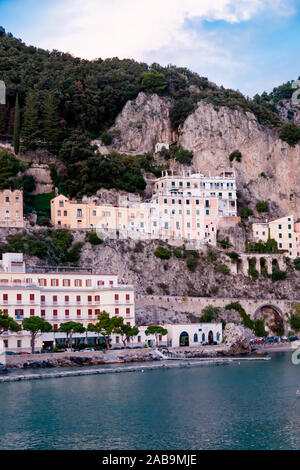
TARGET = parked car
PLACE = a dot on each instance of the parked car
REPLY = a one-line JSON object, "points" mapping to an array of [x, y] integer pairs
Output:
{"points": [[88, 349], [284, 339], [293, 338], [205, 343], [271, 339]]}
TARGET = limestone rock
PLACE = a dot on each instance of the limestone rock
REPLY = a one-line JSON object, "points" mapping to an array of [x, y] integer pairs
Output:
{"points": [[236, 340], [142, 123]]}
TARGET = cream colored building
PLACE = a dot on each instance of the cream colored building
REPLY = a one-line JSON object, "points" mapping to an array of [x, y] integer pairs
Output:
{"points": [[182, 207], [58, 295], [11, 208], [285, 231]]}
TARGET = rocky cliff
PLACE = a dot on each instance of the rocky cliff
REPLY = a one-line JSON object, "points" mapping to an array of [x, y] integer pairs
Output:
{"points": [[269, 167]]}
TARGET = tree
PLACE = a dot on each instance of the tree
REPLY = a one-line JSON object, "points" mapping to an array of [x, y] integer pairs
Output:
{"points": [[154, 81], [35, 325], [8, 323], [235, 155], [51, 126], [125, 331], [71, 327], [156, 330], [105, 325], [290, 133], [30, 131], [180, 111], [17, 124], [95, 329]]}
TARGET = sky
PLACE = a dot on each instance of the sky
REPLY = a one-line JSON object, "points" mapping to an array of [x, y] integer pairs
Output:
{"points": [[246, 45]]}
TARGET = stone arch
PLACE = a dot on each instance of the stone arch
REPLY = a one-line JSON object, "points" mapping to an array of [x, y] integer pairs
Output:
{"points": [[275, 322], [210, 337]]}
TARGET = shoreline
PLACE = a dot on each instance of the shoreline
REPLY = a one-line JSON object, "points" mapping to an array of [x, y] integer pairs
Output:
{"points": [[137, 368], [78, 359]]}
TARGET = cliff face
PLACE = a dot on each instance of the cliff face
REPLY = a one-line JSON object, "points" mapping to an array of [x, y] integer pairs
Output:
{"points": [[269, 170], [142, 123]]}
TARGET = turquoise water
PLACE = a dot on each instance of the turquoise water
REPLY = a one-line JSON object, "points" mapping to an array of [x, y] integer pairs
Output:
{"points": [[251, 405]]}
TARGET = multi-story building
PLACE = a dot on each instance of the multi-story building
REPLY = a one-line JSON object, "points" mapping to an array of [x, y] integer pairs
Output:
{"points": [[285, 231], [11, 208], [58, 294], [185, 207]]}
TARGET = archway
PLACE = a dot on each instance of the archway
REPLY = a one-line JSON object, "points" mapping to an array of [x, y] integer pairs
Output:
{"points": [[273, 318], [184, 339], [203, 337], [210, 337]]}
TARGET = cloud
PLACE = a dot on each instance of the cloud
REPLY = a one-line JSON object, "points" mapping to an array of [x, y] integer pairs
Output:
{"points": [[131, 28]]}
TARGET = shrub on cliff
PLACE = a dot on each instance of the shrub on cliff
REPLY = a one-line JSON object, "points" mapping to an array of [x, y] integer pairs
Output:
{"points": [[222, 269], [180, 111], [290, 133], [153, 82], [93, 238], [297, 264], [162, 253], [262, 206], [278, 275], [235, 155]]}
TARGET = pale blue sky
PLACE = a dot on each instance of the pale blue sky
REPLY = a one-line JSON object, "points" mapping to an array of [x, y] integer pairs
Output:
{"points": [[250, 45]]}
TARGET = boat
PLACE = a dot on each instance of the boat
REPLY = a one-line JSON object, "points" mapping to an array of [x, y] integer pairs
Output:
{"points": [[298, 393]]}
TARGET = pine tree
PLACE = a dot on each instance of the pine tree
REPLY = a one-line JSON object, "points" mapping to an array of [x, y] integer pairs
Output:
{"points": [[30, 132], [51, 126], [17, 122]]}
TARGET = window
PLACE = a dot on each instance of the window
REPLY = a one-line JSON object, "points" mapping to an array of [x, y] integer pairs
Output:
{"points": [[127, 297], [55, 313], [165, 201], [65, 213], [19, 343], [5, 298], [78, 313], [94, 213], [289, 227], [79, 213], [187, 201], [279, 226], [32, 312], [128, 311], [111, 283], [78, 299], [89, 299], [290, 235], [116, 311], [31, 298], [19, 298], [280, 235], [55, 326], [54, 282], [67, 299], [61, 203], [197, 202], [7, 199], [206, 203], [58, 213], [139, 338], [116, 297], [5, 343], [117, 339], [166, 225], [42, 282], [207, 211], [54, 299], [43, 313], [90, 312], [97, 299], [67, 313], [78, 282], [66, 282], [42, 299], [88, 283]]}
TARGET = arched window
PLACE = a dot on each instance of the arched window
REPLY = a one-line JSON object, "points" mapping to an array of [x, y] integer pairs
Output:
{"points": [[195, 338], [218, 336], [203, 336]]}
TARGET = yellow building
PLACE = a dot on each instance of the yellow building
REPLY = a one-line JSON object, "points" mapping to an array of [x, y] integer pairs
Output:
{"points": [[11, 208], [285, 231]]}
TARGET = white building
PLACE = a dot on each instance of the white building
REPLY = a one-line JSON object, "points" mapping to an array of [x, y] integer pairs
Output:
{"points": [[194, 334], [58, 294]]}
